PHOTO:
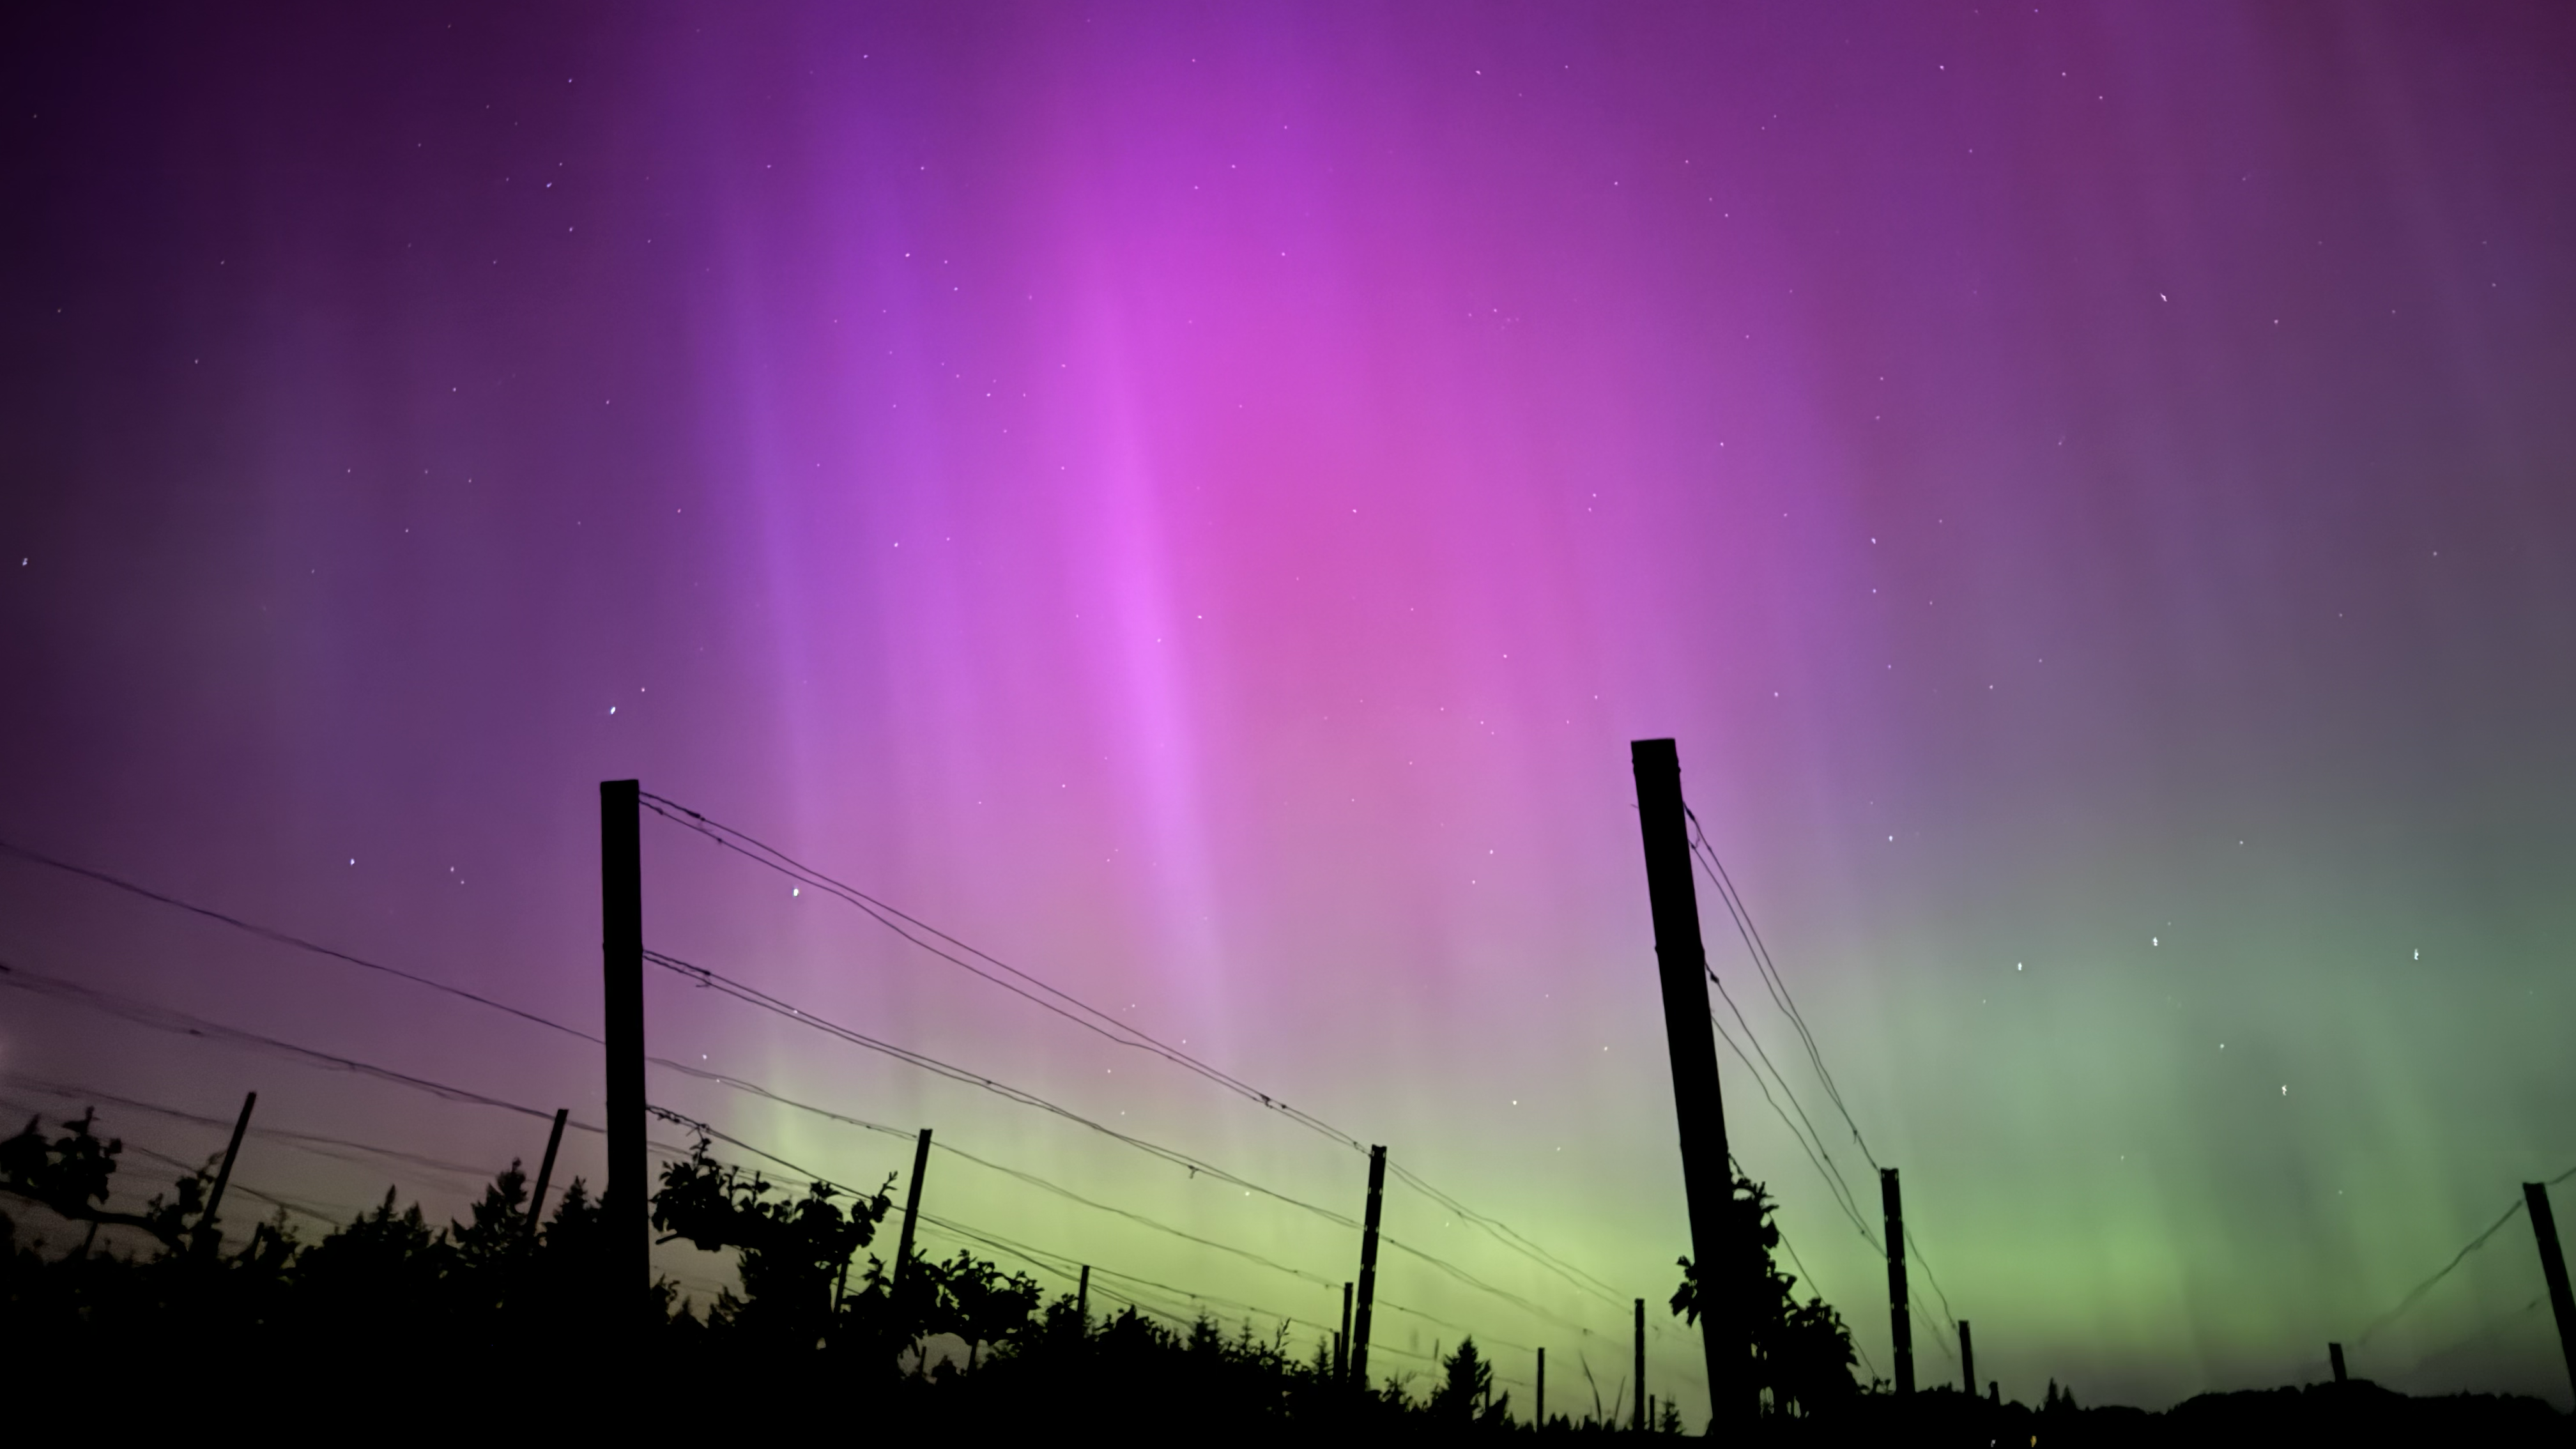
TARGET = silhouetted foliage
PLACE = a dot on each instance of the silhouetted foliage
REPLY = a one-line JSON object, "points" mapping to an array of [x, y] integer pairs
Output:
{"points": [[499, 1313], [70, 1176], [1802, 1351], [792, 1255], [392, 1289], [976, 1301]]}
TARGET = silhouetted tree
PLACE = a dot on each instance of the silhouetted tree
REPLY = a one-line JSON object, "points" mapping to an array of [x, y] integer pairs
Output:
{"points": [[1466, 1391], [384, 1272]]}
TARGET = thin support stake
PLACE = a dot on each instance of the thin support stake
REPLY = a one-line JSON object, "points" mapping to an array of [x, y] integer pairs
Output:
{"points": [[1342, 1340], [546, 1170], [224, 1174], [911, 1210]]}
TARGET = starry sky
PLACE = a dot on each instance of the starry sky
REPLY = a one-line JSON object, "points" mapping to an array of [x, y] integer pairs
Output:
{"points": [[1195, 501]]}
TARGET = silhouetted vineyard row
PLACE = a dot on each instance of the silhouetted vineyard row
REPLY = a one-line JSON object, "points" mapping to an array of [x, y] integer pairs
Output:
{"points": [[391, 1322]]}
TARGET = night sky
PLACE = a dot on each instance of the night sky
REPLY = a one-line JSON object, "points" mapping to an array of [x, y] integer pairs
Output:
{"points": [[1195, 501]]}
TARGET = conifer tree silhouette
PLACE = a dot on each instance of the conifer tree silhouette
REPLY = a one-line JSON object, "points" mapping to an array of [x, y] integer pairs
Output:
{"points": [[1466, 1390]]}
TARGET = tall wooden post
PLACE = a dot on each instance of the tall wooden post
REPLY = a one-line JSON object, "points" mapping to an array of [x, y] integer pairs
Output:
{"points": [[2334, 1356], [1900, 1322], [224, 1175], [625, 1206], [1968, 1360], [1342, 1341], [2553, 1265], [911, 1210], [1368, 1268], [546, 1170], [1637, 1400], [1725, 1258], [1082, 1298], [1542, 1386]]}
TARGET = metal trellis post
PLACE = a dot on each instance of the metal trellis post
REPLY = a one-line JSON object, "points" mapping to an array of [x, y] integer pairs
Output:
{"points": [[1368, 1268]]}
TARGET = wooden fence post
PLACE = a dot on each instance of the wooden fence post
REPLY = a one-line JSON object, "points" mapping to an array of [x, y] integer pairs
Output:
{"points": [[1719, 1249]]}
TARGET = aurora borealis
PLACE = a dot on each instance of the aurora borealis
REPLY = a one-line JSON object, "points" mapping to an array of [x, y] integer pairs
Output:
{"points": [[1196, 501]]}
